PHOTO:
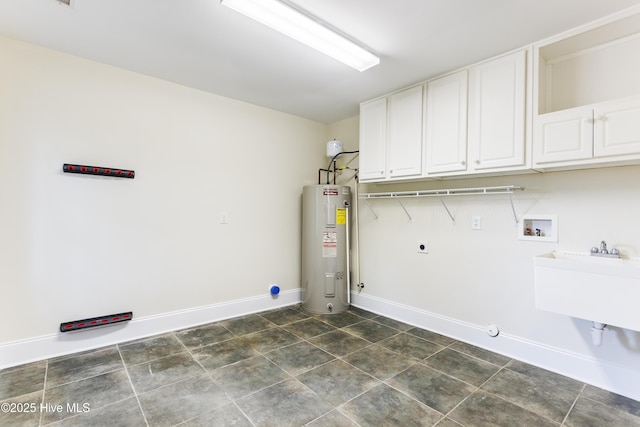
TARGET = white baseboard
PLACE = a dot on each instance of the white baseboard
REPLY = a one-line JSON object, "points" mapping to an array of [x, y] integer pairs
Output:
{"points": [[44, 347], [617, 379]]}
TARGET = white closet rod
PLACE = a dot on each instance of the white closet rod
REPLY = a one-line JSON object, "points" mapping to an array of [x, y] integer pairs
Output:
{"points": [[504, 189]]}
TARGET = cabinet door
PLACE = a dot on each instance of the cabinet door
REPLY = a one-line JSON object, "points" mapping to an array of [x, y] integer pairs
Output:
{"points": [[617, 128], [497, 96], [404, 133], [446, 124], [563, 136], [373, 134]]}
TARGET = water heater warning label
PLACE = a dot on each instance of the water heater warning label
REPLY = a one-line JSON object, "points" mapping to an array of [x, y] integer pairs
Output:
{"points": [[329, 244], [341, 216]]}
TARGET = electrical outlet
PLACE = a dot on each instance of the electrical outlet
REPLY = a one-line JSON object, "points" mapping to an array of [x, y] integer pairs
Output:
{"points": [[423, 247], [476, 223], [224, 217]]}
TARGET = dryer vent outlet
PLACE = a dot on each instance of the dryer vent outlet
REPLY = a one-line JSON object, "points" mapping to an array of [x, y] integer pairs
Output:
{"points": [[492, 330]]}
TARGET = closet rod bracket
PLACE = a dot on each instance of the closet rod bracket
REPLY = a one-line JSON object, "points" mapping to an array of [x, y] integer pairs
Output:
{"points": [[366, 200], [405, 210], [513, 209], [444, 205]]}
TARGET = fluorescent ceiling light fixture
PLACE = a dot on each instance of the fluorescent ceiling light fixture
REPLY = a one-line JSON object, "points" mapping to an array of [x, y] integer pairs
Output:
{"points": [[303, 28]]}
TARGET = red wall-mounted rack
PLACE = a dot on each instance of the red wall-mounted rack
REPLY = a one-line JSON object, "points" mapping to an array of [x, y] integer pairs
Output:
{"points": [[98, 170], [95, 321]]}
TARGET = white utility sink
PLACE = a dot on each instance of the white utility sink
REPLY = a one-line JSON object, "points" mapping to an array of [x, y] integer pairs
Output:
{"points": [[577, 284]]}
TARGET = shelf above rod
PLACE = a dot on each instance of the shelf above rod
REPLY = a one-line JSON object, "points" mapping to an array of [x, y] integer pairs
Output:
{"points": [[476, 191]]}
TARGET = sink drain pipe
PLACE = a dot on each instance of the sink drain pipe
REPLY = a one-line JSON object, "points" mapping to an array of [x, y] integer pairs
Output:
{"points": [[596, 333]]}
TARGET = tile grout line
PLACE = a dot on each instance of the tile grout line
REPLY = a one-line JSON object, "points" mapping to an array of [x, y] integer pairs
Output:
{"points": [[205, 371], [369, 344], [399, 331], [476, 388], [335, 357], [77, 415], [513, 403], [188, 350], [564, 420], [260, 353], [417, 362], [44, 391], [421, 362], [243, 413], [100, 349], [133, 388], [208, 374], [442, 415], [342, 359]]}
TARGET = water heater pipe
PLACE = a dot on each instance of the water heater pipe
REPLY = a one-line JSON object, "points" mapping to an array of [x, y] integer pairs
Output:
{"points": [[348, 273], [356, 232], [333, 159]]}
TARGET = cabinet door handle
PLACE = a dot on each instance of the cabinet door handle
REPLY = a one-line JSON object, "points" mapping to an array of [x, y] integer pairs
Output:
{"points": [[602, 117], [463, 163], [477, 162]]}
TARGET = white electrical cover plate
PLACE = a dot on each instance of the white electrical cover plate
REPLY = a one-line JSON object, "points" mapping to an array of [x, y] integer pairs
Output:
{"points": [[476, 223]]}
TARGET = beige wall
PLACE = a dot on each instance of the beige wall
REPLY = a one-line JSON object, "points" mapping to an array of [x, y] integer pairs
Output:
{"points": [[472, 278], [76, 246], [481, 277]]}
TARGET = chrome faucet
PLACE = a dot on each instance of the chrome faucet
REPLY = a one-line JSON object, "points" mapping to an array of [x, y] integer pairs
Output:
{"points": [[603, 247], [603, 251]]}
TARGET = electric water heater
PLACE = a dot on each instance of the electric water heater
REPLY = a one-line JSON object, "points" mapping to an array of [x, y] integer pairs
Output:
{"points": [[325, 266]]}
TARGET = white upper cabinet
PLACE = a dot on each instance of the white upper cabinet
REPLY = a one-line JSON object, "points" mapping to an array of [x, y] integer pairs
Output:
{"points": [[616, 127], [446, 124], [497, 107], [572, 101], [404, 133], [373, 140], [588, 98], [391, 136], [563, 136], [469, 122], [475, 120]]}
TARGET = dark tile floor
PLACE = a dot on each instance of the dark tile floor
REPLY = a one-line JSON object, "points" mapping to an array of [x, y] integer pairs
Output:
{"points": [[288, 368]]}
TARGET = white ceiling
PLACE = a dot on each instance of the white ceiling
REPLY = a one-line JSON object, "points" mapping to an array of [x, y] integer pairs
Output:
{"points": [[201, 44]]}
